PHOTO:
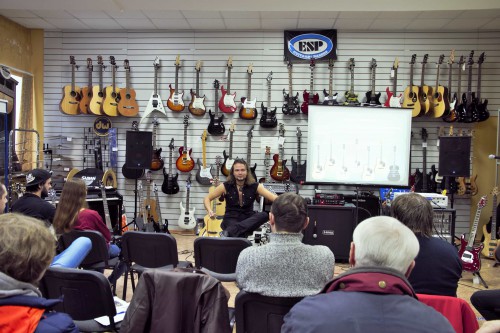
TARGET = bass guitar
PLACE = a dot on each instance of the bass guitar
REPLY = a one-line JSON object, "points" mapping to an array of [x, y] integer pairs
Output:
{"points": [[450, 62], [197, 105], [351, 99], [410, 95], [156, 161], [490, 238], [453, 116], [440, 97], [170, 185], [482, 112], [72, 93], [228, 159], [309, 97], [127, 105], [151, 212], [204, 173], [164, 224], [330, 98], [111, 93], [134, 173], [184, 162], [155, 103], [248, 110], [249, 152], [468, 253], [298, 174], [372, 98], [291, 102], [212, 224], [462, 111], [216, 127], [393, 100], [186, 218], [226, 102], [279, 170], [87, 91], [95, 105], [268, 118], [175, 102]]}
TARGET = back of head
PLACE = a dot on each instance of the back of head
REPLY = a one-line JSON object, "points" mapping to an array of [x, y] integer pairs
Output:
{"points": [[383, 241], [73, 198], [414, 211], [26, 247], [290, 212]]}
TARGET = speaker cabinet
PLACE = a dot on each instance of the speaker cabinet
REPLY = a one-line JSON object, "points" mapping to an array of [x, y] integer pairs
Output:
{"points": [[331, 226], [368, 205], [454, 156], [139, 149]]}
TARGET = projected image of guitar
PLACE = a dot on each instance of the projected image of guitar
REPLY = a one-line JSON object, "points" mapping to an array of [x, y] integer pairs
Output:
{"points": [[330, 97], [393, 100], [394, 169], [197, 105], [226, 102], [212, 226], [468, 253], [155, 103], [319, 168], [170, 185], [248, 110], [279, 171], [291, 103], [490, 237], [351, 99], [71, 99], [310, 98], [186, 217], [175, 102], [184, 162]]}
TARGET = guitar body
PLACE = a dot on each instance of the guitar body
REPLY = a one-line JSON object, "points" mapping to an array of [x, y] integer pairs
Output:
{"points": [[175, 102], [351, 99], [291, 104], [279, 171], [469, 256], [268, 118], [431, 180], [298, 174], [226, 102], [252, 171], [71, 100], [462, 188], [228, 163], [212, 227], [95, 106], [154, 104], [389, 96], [153, 213], [216, 127], [373, 99], [204, 175], [393, 173], [248, 110], [308, 99], [452, 115], [127, 105], [441, 103], [130, 173], [424, 95], [184, 162], [419, 180], [489, 244], [483, 113], [170, 184], [330, 100], [411, 101], [110, 103], [85, 100], [197, 105], [156, 162], [186, 219]]}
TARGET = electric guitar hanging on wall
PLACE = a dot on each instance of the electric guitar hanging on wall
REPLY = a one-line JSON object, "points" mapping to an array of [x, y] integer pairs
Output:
{"points": [[482, 112], [468, 253], [155, 103], [453, 115], [268, 118], [127, 106], [490, 238], [111, 93], [248, 110], [410, 95], [393, 100], [291, 102], [463, 114], [310, 98], [170, 185], [97, 91], [330, 98], [204, 173], [228, 159], [372, 98], [226, 102], [71, 99], [87, 91], [279, 171], [156, 161], [197, 105], [186, 218], [216, 127], [175, 102], [150, 207], [298, 174], [184, 162], [351, 99]]}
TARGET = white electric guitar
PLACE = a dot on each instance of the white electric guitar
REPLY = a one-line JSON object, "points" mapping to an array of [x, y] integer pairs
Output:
{"points": [[155, 103], [186, 219]]}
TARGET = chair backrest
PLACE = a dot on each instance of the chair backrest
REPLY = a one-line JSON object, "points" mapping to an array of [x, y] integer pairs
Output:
{"points": [[99, 251], [261, 314], [87, 294], [149, 250], [456, 310], [218, 255]]}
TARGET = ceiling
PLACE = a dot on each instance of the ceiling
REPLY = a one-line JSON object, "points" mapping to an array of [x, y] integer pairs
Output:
{"points": [[432, 15]]}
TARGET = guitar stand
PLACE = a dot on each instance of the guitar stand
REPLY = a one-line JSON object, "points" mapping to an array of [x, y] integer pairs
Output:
{"points": [[481, 280]]}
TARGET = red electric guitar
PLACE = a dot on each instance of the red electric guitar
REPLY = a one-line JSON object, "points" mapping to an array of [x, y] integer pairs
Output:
{"points": [[310, 97], [468, 253]]}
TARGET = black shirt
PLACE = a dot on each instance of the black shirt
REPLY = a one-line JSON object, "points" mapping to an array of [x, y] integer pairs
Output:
{"points": [[32, 205], [233, 207]]}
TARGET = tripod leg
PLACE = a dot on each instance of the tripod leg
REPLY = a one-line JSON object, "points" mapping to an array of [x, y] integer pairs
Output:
{"points": [[480, 279]]}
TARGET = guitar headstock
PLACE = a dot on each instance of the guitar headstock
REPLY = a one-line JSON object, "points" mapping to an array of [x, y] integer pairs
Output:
{"points": [[139, 187], [112, 61], [250, 132], [441, 58], [155, 188], [231, 127], [451, 58], [268, 151], [424, 134], [373, 63], [135, 125], [89, 64], [186, 121], [155, 121], [218, 161], [461, 61], [282, 129], [171, 144], [426, 57], [495, 191], [216, 84], [289, 64], [178, 61], [72, 60], [413, 59], [148, 176], [395, 65], [99, 60], [269, 77], [204, 135], [156, 62], [229, 64], [481, 59], [312, 63], [250, 69], [351, 64], [482, 202], [441, 131], [331, 63], [198, 65], [126, 65], [299, 132], [471, 60]]}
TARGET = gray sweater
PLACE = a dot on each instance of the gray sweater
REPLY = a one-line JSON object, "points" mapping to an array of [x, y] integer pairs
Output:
{"points": [[285, 267]]}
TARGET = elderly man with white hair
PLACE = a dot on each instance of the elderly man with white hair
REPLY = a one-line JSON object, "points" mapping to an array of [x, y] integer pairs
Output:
{"points": [[375, 295]]}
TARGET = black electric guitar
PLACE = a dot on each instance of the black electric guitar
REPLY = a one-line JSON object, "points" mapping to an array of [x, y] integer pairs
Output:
{"points": [[298, 174], [464, 110], [291, 102], [268, 118], [170, 185], [130, 173], [216, 127], [156, 160], [482, 112], [249, 152], [330, 98], [372, 98], [164, 224]]}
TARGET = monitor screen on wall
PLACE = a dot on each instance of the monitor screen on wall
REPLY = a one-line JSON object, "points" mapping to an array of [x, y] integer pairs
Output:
{"points": [[358, 145]]}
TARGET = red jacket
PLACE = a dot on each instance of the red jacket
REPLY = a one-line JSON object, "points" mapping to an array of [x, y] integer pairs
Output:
{"points": [[89, 219]]}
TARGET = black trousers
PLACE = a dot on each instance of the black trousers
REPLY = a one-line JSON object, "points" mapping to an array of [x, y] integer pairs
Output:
{"points": [[244, 225], [487, 303]]}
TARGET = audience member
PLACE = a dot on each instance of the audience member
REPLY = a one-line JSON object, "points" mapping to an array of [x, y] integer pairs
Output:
{"points": [[487, 303], [437, 266], [26, 250], [374, 296], [240, 191], [285, 267]]}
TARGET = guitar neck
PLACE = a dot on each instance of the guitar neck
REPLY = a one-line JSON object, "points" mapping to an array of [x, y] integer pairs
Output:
{"points": [[127, 81], [198, 84], [422, 75], [249, 84], [352, 81], [90, 78], [437, 76], [469, 86], [450, 75], [290, 82], [156, 82], [100, 76], [459, 84], [106, 208], [158, 209], [249, 151], [269, 94], [478, 92], [187, 199], [228, 80], [73, 77], [395, 83], [424, 169], [154, 137], [170, 162], [473, 230], [298, 151], [494, 219], [330, 83], [176, 78], [311, 81], [231, 145], [411, 77], [204, 153], [373, 80]]}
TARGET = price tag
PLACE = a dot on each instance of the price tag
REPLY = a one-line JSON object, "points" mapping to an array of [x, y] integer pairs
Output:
{"points": [[392, 73], [424, 144], [66, 169], [114, 149], [281, 140], [69, 139]]}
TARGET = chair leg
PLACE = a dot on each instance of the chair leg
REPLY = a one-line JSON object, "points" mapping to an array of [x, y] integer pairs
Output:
{"points": [[132, 280]]}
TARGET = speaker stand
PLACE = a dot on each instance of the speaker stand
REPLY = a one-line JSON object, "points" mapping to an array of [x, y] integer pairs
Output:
{"points": [[135, 209]]}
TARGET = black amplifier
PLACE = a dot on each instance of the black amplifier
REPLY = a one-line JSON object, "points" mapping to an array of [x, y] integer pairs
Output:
{"points": [[329, 202], [330, 196]]}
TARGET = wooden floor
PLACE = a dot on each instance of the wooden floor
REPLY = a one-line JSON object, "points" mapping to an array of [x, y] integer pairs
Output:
{"points": [[466, 287]]}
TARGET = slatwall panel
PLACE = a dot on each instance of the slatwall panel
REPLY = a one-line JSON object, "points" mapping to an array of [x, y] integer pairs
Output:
{"points": [[265, 50]]}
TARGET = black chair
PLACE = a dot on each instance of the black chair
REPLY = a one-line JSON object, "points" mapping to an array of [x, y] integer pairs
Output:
{"points": [[218, 256], [86, 295], [143, 250], [261, 314]]}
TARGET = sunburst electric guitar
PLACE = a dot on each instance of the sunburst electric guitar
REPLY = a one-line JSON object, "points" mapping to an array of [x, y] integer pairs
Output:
{"points": [[175, 102], [185, 162], [197, 105], [248, 110]]}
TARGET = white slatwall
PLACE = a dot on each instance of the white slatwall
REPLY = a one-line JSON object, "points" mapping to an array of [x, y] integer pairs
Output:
{"points": [[265, 51]]}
